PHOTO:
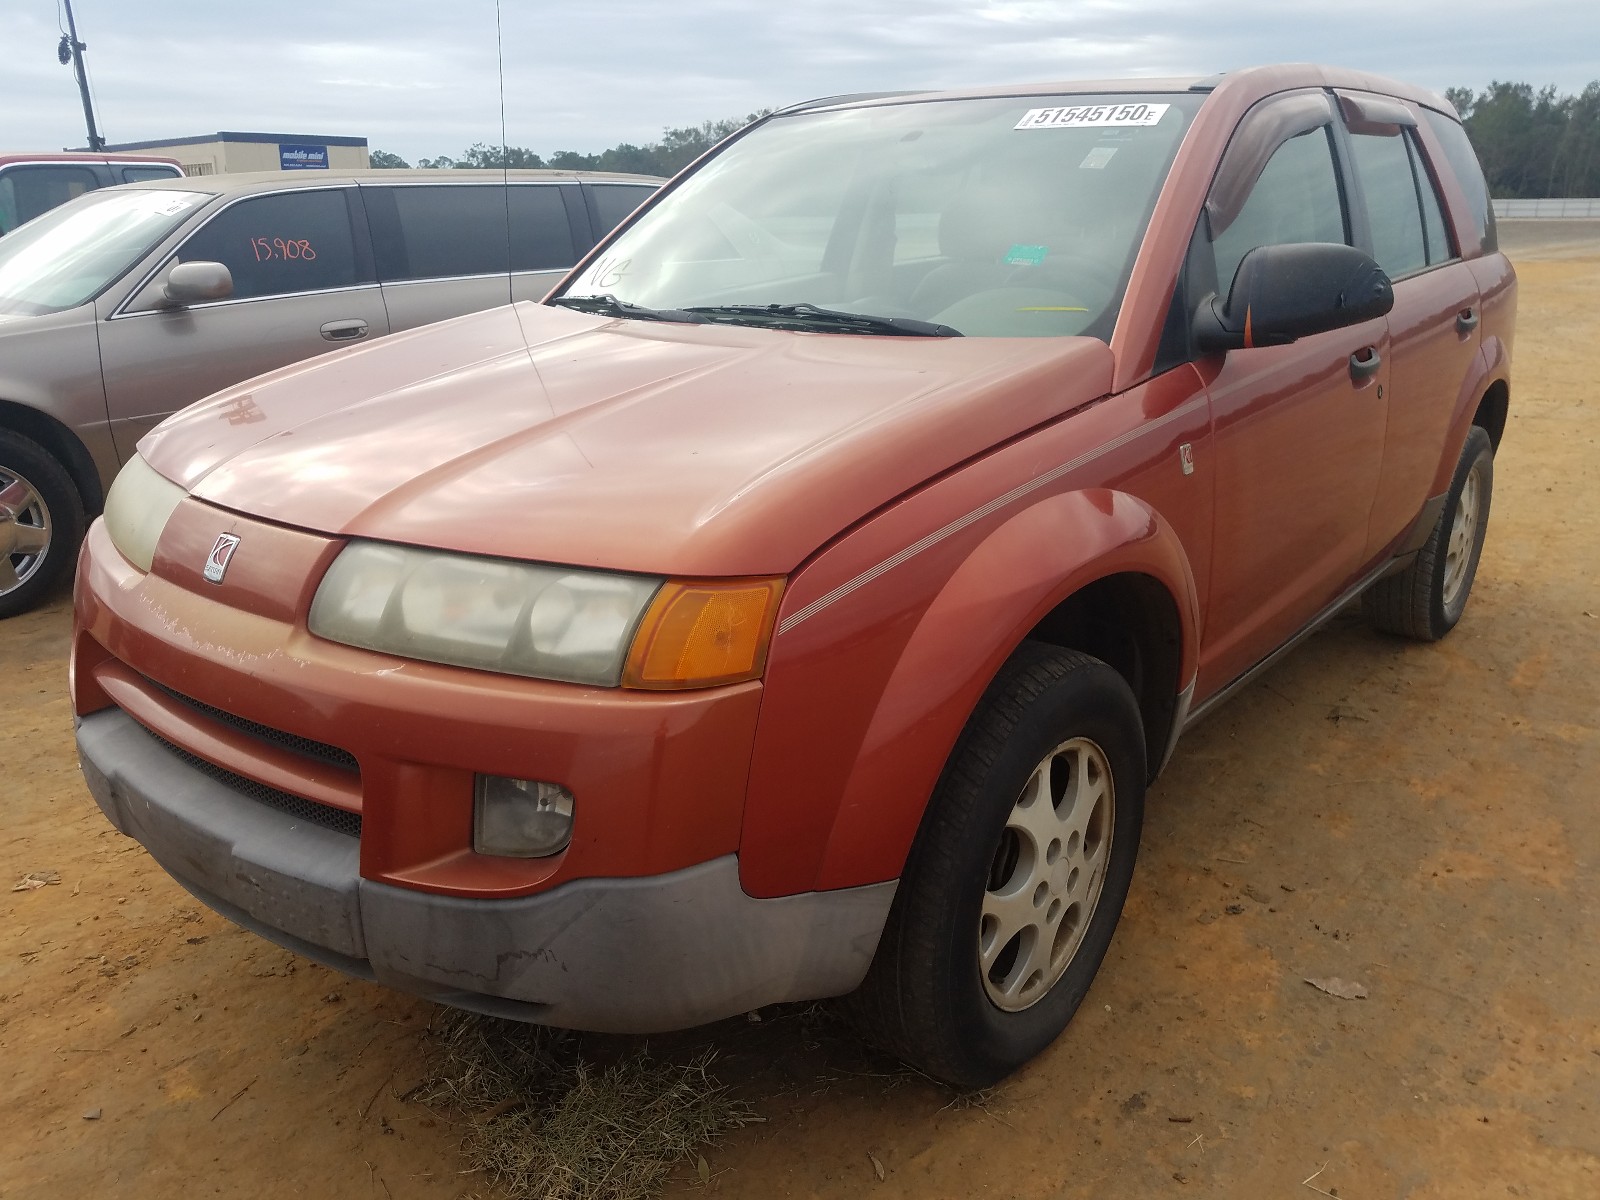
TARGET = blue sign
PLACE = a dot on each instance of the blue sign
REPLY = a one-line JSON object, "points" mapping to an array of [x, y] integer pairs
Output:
{"points": [[303, 158]]}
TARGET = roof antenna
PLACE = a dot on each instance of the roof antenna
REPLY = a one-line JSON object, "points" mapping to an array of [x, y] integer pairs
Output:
{"points": [[505, 155]]}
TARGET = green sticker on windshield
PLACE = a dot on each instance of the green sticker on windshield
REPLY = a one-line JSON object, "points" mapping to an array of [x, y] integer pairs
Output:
{"points": [[1026, 256]]}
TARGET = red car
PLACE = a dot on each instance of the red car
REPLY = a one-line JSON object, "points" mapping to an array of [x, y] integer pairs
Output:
{"points": [[31, 184], [798, 601]]}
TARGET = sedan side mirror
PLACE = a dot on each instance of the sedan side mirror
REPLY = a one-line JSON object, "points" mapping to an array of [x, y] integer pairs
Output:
{"points": [[197, 282], [1281, 293]]}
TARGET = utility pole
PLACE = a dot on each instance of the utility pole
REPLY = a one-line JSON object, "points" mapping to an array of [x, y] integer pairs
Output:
{"points": [[71, 50]]}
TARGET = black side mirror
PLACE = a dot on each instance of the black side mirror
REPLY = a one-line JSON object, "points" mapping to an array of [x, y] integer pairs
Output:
{"points": [[1281, 293]]}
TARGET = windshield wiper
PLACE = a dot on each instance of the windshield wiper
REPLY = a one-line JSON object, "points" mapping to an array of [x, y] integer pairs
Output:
{"points": [[810, 316], [607, 305]]}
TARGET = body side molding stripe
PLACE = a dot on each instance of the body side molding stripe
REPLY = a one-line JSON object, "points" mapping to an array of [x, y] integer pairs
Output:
{"points": [[1022, 489]]}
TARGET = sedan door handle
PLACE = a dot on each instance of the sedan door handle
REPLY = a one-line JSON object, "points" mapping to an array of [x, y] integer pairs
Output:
{"points": [[344, 331], [1466, 320], [1364, 363]]}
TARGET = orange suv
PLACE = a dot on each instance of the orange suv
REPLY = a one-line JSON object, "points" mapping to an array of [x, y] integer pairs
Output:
{"points": [[798, 601]]}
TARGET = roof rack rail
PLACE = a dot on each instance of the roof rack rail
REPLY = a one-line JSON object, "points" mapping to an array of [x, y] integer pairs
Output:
{"points": [[1209, 84], [843, 98]]}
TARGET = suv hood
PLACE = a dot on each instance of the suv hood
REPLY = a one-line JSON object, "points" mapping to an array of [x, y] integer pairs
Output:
{"points": [[541, 433]]}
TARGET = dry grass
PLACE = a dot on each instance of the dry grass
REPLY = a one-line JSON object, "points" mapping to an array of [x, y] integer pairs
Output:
{"points": [[545, 1123]]}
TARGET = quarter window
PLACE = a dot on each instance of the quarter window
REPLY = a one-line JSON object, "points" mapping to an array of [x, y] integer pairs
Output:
{"points": [[1295, 199], [278, 245]]}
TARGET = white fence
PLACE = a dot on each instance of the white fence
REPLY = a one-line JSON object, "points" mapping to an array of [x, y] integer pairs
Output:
{"points": [[1548, 208]]}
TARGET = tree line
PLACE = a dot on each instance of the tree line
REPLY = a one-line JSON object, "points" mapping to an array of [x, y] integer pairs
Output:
{"points": [[1531, 143], [676, 150], [1534, 144]]}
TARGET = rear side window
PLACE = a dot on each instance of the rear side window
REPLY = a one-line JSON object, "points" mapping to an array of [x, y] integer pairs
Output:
{"points": [[1464, 166], [438, 232], [1384, 166], [278, 245], [613, 201], [452, 230], [27, 191], [1295, 199], [142, 174]]}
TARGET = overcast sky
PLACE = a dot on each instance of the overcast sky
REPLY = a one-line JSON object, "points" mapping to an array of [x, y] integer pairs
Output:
{"points": [[418, 77]]}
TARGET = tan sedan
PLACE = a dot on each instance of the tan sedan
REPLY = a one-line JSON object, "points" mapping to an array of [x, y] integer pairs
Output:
{"points": [[131, 302]]}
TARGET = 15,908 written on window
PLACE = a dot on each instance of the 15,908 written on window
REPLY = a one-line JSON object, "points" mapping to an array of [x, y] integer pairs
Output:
{"points": [[282, 248]]}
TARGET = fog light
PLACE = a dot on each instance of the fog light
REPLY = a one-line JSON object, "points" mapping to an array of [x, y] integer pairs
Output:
{"points": [[520, 818]]}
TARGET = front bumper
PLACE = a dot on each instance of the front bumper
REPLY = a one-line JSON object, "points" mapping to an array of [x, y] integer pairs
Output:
{"points": [[623, 955]]}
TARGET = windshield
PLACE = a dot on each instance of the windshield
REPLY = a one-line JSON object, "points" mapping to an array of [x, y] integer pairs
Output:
{"points": [[999, 217], [71, 254]]}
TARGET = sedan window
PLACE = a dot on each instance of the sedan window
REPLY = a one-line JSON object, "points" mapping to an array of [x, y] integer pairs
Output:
{"points": [[281, 244], [73, 253]]}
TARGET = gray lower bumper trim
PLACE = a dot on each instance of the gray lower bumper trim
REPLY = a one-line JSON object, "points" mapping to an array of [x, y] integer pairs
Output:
{"points": [[614, 955]]}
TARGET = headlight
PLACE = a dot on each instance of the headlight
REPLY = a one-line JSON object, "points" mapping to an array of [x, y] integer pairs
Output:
{"points": [[137, 508], [519, 618], [547, 622]]}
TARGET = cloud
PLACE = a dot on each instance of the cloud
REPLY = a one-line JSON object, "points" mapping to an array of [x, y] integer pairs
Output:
{"points": [[420, 78]]}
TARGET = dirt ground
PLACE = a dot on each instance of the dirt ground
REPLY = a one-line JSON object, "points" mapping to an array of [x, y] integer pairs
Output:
{"points": [[1419, 820]]}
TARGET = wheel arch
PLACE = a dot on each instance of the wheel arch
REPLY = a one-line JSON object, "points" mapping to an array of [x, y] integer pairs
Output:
{"points": [[1132, 622], [62, 444], [1492, 410], [1057, 570]]}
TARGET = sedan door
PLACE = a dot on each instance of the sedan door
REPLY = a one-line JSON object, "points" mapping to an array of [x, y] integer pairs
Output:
{"points": [[302, 285]]}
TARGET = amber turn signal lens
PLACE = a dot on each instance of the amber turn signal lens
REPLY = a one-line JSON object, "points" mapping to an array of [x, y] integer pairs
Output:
{"points": [[699, 633]]}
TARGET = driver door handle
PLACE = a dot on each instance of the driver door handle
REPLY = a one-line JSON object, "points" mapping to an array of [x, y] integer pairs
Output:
{"points": [[1466, 320], [344, 331], [1364, 363]]}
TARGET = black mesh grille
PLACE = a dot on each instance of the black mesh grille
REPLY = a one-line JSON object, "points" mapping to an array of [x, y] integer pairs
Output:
{"points": [[304, 747], [325, 815]]}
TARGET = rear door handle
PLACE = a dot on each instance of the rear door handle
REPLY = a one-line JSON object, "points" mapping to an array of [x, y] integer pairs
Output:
{"points": [[344, 331], [1466, 320], [1364, 363]]}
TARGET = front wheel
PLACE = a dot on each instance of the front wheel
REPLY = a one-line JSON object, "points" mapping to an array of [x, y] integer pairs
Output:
{"points": [[41, 523], [1018, 873]]}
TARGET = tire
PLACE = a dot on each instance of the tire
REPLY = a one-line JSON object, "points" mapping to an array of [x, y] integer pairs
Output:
{"points": [[1426, 600], [41, 523], [949, 991]]}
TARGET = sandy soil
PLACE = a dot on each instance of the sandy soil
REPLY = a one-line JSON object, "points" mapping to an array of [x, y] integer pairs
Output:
{"points": [[1416, 819]]}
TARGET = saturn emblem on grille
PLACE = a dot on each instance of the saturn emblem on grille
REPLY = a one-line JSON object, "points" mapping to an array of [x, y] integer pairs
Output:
{"points": [[221, 555]]}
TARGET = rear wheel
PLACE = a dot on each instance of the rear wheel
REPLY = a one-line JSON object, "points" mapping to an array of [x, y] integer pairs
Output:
{"points": [[1425, 600], [1017, 876], [41, 523]]}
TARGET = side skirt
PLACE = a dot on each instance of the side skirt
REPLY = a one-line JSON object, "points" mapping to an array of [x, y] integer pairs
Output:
{"points": [[1215, 700]]}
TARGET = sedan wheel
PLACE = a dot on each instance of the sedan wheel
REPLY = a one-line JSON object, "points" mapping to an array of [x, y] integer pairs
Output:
{"points": [[41, 522], [24, 530]]}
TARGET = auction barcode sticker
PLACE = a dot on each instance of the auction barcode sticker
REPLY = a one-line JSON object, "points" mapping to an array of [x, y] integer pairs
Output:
{"points": [[1093, 116]]}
